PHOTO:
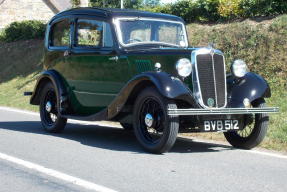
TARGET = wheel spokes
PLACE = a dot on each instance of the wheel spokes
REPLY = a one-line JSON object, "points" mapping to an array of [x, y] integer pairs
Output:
{"points": [[151, 107], [246, 132], [50, 108]]}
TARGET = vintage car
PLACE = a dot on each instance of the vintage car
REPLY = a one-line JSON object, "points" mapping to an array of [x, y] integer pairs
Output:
{"points": [[137, 68]]}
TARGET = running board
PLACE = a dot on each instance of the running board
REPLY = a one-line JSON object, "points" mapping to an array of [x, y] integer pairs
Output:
{"points": [[222, 111], [100, 116]]}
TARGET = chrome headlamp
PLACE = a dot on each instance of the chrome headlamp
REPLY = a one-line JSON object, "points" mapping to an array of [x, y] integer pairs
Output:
{"points": [[239, 68], [183, 67]]}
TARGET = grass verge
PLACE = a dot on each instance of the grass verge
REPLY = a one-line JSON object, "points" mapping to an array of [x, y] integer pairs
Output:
{"points": [[11, 92]]}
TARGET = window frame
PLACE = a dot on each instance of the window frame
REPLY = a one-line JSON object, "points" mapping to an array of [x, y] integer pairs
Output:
{"points": [[50, 40], [105, 23]]}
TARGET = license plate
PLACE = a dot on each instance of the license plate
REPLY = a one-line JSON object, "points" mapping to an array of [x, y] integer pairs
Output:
{"points": [[221, 125]]}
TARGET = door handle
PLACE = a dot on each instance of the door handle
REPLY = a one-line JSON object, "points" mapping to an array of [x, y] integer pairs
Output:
{"points": [[67, 53], [115, 58]]}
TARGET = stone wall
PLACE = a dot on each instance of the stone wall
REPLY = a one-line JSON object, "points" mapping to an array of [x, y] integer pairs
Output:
{"points": [[19, 10]]}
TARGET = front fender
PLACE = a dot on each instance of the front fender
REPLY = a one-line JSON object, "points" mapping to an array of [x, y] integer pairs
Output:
{"points": [[48, 76], [251, 86], [168, 86]]}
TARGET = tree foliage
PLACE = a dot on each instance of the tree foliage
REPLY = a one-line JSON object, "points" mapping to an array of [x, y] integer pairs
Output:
{"points": [[131, 4], [152, 3], [220, 10], [75, 3]]}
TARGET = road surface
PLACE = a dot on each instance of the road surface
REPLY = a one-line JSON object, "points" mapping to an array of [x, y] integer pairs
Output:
{"points": [[96, 158]]}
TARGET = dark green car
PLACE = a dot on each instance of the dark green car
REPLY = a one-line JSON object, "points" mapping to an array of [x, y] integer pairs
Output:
{"points": [[137, 68]]}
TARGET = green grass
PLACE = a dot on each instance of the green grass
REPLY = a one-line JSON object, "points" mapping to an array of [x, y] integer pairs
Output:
{"points": [[263, 45], [277, 133], [20, 63], [11, 92]]}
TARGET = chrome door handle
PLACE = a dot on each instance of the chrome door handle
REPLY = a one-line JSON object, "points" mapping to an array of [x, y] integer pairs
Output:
{"points": [[67, 53], [115, 58]]}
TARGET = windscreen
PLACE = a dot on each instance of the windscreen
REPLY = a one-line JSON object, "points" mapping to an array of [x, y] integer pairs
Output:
{"points": [[151, 31]]}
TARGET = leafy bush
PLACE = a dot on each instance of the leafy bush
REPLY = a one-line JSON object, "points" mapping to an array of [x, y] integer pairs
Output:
{"points": [[131, 4], [75, 3], [200, 10], [23, 30], [230, 8], [254, 8], [218, 10], [2, 35]]}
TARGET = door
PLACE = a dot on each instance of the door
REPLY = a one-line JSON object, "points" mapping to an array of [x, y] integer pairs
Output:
{"points": [[58, 44], [95, 72]]}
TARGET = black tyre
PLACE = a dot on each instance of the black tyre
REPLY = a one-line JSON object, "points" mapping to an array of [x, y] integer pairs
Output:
{"points": [[49, 113], [253, 133], [154, 129], [127, 126]]}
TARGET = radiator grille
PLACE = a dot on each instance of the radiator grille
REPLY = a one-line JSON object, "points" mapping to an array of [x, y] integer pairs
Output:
{"points": [[206, 78], [220, 79], [211, 79]]}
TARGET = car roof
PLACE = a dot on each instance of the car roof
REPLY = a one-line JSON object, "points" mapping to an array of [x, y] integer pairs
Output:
{"points": [[113, 12]]}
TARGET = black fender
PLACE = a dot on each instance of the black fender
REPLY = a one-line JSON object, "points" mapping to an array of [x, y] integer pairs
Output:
{"points": [[58, 82], [251, 86], [167, 85]]}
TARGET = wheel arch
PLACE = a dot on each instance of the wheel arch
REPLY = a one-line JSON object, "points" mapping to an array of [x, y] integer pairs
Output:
{"points": [[45, 77], [135, 91], [168, 86]]}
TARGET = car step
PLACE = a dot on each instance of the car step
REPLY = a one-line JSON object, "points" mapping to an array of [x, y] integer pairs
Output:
{"points": [[28, 93]]}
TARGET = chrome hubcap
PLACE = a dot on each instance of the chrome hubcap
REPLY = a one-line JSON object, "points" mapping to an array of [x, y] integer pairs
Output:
{"points": [[148, 120], [48, 106]]}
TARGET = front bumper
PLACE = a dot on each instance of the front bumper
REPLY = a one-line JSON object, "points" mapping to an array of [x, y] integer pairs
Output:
{"points": [[222, 111]]}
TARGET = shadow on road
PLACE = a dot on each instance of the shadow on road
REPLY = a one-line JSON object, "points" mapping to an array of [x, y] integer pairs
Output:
{"points": [[111, 138]]}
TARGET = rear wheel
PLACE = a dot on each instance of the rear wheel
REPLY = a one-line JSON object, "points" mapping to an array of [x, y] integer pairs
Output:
{"points": [[155, 130], [49, 113], [253, 133]]}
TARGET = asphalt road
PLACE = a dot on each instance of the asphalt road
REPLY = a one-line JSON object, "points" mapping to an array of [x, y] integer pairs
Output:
{"points": [[111, 157]]}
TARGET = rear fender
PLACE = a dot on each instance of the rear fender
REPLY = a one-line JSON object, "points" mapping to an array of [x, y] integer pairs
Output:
{"points": [[58, 82]]}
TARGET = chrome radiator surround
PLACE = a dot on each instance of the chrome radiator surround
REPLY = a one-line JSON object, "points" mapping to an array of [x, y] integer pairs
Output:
{"points": [[195, 77]]}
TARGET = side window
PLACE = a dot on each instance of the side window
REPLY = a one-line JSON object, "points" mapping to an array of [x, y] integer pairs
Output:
{"points": [[92, 33], [60, 36]]}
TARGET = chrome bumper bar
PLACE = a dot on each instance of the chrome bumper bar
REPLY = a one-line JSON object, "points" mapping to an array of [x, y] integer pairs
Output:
{"points": [[222, 111]]}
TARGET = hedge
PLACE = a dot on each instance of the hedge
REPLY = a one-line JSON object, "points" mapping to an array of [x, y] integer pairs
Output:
{"points": [[31, 29], [221, 10]]}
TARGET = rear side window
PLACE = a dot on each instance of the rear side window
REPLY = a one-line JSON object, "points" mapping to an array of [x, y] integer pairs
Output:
{"points": [[61, 34], [93, 33]]}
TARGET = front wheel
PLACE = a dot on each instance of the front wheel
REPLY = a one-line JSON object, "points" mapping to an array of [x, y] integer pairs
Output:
{"points": [[253, 133], [49, 112], [155, 130]]}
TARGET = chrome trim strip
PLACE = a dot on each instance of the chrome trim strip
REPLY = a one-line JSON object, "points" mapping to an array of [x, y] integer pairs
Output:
{"points": [[90, 93], [222, 111], [195, 79], [214, 79]]}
